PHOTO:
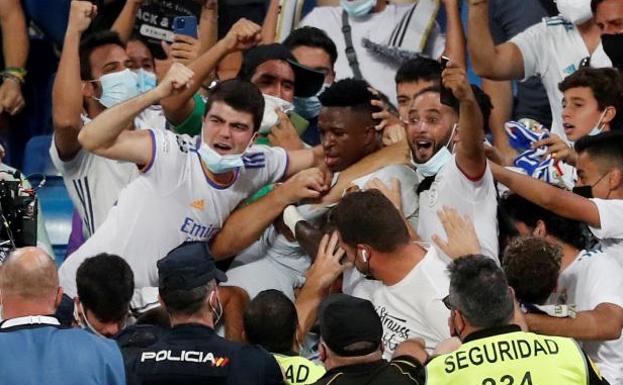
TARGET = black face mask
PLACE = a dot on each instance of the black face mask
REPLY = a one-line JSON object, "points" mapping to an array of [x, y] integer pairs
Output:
{"points": [[613, 45], [584, 191]]}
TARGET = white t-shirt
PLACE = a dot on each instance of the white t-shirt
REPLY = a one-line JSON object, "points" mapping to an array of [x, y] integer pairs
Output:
{"points": [[171, 202], [377, 27], [476, 199], [591, 279], [610, 234], [94, 182], [553, 50], [412, 307]]}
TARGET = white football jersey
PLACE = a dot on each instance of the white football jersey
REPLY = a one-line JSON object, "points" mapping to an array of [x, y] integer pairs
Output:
{"points": [[553, 50], [591, 279], [94, 182], [412, 307], [171, 202], [476, 199]]}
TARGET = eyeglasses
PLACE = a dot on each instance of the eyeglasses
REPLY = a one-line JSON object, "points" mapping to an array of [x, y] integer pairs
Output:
{"points": [[447, 303]]}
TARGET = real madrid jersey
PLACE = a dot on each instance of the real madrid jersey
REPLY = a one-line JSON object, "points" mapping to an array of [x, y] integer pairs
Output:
{"points": [[593, 278], [475, 198], [94, 182], [171, 202], [553, 50]]}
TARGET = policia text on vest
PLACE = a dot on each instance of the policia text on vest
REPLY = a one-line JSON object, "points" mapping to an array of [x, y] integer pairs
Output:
{"points": [[512, 357]]}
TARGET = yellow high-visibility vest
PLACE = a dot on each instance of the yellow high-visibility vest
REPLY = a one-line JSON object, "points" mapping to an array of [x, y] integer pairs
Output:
{"points": [[515, 358], [298, 370]]}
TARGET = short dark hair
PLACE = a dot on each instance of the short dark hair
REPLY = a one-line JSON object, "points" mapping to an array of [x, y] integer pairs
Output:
{"points": [[605, 148], [89, 44], [241, 95], [270, 321], [105, 286], [186, 302], [415, 70], [532, 267], [483, 100], [311, 37], [353, 93], [368, 217], [606, 84], [479, 290], [568, 231]]}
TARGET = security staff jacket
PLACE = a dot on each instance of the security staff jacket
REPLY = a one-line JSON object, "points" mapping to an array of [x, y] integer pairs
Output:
{"points": [[194, 354], [404, 370], [508, 356]]}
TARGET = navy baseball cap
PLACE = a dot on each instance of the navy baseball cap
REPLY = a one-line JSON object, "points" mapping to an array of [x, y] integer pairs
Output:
{"points": [[188, 266], [345, 320], [307, 81]]}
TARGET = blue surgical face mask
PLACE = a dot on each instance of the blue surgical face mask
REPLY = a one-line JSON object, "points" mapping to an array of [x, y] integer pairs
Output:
{"points": [[309, 108], [432, 166], [118, 87], [357, 8], [146, 80], [221, 164]]}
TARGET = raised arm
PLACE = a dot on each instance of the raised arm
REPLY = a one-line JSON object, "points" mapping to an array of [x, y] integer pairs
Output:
{"points": [[561, 202], [502, 62], [208, 25], [107, 135], [470, 151], [501, 93], [67, 90], [245, 225], [455, 37], [269, 27], [15, 50], [242, 35], [126, 19], [603, 323]]}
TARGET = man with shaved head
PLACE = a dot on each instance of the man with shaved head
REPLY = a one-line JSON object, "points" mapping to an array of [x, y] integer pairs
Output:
{"points": [[33, 347]]}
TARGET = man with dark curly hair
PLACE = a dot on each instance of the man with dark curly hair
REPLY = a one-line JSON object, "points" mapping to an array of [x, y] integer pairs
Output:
{"points": [[592, 281]]}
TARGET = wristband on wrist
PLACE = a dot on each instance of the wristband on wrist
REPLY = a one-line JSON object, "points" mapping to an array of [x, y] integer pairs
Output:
{"points": [[16, 73]]}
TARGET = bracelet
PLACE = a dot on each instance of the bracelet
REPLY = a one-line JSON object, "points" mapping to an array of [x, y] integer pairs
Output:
{"points": [[15, 73]]}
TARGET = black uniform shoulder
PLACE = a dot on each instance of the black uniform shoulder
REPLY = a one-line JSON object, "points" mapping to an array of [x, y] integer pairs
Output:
{"points": [[404, 370]]}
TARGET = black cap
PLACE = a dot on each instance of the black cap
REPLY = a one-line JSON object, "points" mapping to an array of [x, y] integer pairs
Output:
{"points": [[307, 81], [188, 266], [345, 320]]}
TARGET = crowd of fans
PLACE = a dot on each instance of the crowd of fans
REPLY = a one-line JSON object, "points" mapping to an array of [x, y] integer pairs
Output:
{"points": [[296, 192]]}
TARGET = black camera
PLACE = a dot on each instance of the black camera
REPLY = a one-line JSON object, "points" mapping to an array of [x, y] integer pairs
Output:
{"points": [[18, 217]]}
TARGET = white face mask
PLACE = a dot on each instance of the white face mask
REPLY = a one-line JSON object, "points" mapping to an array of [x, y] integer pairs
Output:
{"points": [[598, 129], [577, 12], [270, 117], [218, 312], [84, 325], [432, 166]]}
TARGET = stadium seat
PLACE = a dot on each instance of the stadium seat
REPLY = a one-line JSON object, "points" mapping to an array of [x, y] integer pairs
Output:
{"points": [[37, 157], [57, 213]]}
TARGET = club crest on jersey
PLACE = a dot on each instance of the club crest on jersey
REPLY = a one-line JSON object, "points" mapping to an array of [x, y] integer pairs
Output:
{"points": [[185, 356]]}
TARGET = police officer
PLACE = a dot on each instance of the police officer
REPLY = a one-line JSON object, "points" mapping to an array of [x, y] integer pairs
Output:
{"points": [[191, 352], [495, 351]]}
